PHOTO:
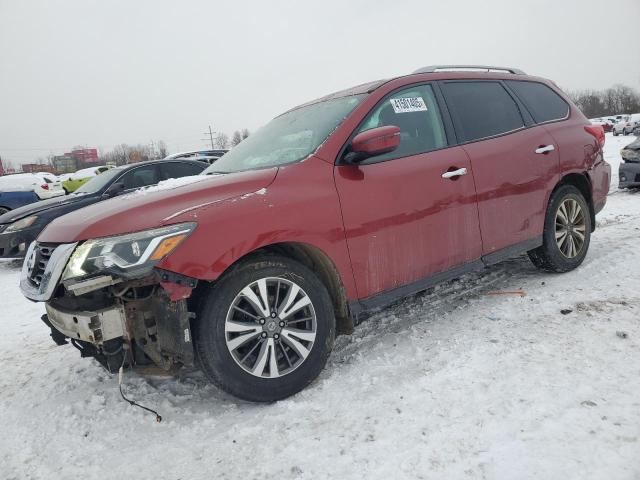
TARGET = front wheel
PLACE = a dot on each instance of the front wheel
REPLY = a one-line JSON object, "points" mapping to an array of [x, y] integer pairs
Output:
{"points": [[266, 329], [567, 232]]}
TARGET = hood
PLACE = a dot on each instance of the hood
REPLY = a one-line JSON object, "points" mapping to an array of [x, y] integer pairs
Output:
{"points": [[635, 145], [41, 206], [152, 208]]}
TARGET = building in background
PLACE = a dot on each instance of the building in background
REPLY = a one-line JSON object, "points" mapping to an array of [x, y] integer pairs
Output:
{"points": [[86, 157], [37, 167], [76, 159], [65, 164]]}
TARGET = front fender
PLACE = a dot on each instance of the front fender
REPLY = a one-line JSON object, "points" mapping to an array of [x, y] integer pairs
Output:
{"points": [[300, 206]]}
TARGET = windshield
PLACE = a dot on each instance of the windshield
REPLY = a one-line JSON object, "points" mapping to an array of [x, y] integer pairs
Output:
{"points": [[98, 182], [288, 138]]}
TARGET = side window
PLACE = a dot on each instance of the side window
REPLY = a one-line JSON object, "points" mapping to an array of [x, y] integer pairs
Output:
{"points": [[140, 177], [179, 169], [415, 111], [543, 103], [481, 109]]}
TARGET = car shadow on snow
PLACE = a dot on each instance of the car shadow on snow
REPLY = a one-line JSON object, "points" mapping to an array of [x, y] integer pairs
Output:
{"points": [[10, 264]]}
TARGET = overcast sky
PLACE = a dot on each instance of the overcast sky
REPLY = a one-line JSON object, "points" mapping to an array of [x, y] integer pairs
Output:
{"points": [[100, 73]]}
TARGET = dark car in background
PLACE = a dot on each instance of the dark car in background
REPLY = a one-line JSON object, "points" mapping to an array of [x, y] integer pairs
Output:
{"points": [[208, 156], [20, 227], [629, 170]]}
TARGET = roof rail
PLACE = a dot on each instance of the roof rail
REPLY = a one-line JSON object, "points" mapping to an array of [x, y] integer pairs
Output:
{"points": [[483, 68]]}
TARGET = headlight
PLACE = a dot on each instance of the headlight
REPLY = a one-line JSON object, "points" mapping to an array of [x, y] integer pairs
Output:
{"points": [[130, 256], [21, 224]]}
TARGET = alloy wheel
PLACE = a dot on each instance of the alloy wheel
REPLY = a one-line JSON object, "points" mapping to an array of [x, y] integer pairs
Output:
{"points": [[270, 327], [570, 228]]}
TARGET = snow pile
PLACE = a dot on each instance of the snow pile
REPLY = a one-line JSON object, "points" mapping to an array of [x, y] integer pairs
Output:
{"points": [[170, 184], [449, 384]]}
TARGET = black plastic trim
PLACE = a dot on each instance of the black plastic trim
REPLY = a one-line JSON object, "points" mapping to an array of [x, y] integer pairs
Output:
{"points": [[388, 297]]}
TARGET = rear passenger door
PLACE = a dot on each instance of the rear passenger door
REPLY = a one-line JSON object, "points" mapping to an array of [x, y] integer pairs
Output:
{"points": [[515, 163], [179, 169], [139, 177]]}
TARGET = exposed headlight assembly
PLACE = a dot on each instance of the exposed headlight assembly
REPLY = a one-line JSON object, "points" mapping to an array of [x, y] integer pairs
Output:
{"points": [[21, 224], [128, 256]]}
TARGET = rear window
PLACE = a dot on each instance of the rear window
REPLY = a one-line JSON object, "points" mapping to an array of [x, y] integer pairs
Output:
{"points": [[544, 104], [481, 109]]}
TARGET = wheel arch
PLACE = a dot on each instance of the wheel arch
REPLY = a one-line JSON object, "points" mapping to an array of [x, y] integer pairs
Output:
{"points": [[316, 260], [583, 183]]}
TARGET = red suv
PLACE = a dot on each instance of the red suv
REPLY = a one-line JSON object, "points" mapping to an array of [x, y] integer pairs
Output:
{"points": [[338, 206]]}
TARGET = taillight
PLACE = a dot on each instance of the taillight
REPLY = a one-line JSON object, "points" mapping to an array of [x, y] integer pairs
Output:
{"points": [[597, 131], [44, 186]]}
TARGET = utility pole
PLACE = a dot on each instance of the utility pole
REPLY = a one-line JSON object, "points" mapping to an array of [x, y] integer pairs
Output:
{"points": [[210, 133]]}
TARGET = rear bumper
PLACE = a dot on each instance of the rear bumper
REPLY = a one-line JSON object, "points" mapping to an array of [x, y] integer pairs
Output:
{"points": [[15, 244], [629, 175], [600, 175]]}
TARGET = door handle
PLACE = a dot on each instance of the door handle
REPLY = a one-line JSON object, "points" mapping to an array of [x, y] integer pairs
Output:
{"points": [[455, 173], [545, 149]]}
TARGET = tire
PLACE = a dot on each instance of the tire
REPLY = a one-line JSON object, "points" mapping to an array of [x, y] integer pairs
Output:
{"points": [[558, 255], [216, 331], [615, 134]]}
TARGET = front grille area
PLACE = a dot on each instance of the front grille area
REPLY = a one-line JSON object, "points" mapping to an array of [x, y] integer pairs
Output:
{"points": [[37, 264]]}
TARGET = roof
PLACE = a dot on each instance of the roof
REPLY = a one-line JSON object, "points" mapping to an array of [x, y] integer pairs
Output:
{"points": [[371, 86]]}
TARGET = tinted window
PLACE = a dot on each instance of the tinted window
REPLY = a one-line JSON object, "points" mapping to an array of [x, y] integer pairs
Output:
{"points": [[543, 103], [416, 112], [179, 169], [481, 109], [140, 177]]}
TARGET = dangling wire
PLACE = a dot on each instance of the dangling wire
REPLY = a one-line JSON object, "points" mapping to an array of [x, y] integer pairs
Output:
{"points": [[131, 402]]}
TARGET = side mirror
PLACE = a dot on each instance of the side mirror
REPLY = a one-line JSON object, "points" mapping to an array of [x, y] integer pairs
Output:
{"points": [[375, 141], [115, 189]]}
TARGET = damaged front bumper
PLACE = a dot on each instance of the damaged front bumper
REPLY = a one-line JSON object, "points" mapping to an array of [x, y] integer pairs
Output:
{"points": [[101, 314]]}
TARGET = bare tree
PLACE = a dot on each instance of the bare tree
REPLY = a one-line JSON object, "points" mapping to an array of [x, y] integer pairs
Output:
{"points": [[123, 154], [616, 100], [222, 140], [236, 139], [162, 148], [245, 133]]}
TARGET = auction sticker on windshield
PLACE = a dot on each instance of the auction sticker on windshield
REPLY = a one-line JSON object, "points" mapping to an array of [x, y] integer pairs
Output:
{"points": [[412, 104]]}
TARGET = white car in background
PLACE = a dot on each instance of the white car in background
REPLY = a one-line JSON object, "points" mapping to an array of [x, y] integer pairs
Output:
{"points": [[626, 124], [43, 185]]}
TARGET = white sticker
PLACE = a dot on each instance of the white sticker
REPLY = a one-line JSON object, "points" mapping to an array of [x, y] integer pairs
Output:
{"points": [[404, 105]]}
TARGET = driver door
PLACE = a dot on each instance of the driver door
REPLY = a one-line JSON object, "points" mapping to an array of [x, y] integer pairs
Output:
{"points": [[403, 220]]}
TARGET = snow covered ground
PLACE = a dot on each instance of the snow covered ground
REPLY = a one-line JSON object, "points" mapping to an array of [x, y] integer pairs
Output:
{"points": [[450, 384]]}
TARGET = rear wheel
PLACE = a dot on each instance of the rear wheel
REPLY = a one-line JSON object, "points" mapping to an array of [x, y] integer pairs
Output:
{"points": [[567, 232], [266, 330]]}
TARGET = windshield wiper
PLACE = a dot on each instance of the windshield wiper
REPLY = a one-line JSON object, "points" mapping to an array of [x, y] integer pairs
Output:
{"points": [[216, 173]]}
